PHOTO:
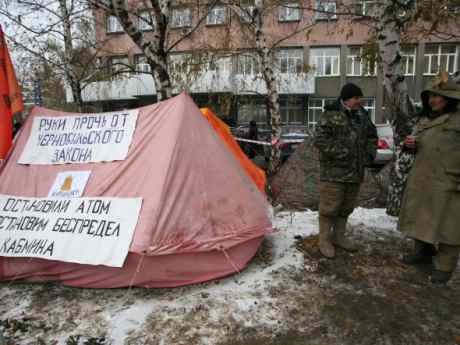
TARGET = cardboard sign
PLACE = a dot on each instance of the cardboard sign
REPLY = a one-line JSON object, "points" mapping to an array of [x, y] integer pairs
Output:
{"points": [[94, 231], [69, 184], [83, 138]]}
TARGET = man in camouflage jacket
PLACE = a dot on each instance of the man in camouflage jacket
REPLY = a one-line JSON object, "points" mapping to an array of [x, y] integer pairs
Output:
{"points": [[347, 141]]}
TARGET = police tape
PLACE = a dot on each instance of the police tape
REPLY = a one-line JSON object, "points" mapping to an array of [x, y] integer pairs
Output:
{"points": [[266, 143]]}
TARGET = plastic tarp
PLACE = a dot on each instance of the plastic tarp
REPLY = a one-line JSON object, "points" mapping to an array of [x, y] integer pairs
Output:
{"points": [[256, 174], [202, 216]]}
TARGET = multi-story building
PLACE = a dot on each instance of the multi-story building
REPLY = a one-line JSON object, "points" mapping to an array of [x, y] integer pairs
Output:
{"points": [[311, 65]]}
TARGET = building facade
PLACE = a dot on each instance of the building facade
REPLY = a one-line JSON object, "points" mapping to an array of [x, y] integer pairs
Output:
{"points": [[311, 64]]}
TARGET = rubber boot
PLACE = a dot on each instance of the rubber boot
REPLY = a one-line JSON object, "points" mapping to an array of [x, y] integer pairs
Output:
{"points": [[422, 255], [338, 237], [440, 277], [445, 263], [325, 246]]}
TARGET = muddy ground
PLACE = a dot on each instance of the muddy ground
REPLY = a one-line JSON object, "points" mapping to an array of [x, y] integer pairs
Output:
{"points": [[366, 298]]}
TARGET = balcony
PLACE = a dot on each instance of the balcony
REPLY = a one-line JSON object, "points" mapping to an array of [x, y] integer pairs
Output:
{"points": [[138, 85]]}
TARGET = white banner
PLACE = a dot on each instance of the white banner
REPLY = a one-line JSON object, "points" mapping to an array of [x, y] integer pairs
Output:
{"points": [[94, 231], [83, 138], [69, 184]]}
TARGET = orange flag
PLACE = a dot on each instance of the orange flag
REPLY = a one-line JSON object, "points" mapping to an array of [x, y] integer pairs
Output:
{"points": [[10, 97]]}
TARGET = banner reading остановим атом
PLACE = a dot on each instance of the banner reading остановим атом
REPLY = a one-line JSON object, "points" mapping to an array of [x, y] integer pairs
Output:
{"points": [[94, 231], [84, 138]]}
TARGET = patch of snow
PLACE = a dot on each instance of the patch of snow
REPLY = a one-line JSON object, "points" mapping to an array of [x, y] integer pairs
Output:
{"points": [[156, 318]]}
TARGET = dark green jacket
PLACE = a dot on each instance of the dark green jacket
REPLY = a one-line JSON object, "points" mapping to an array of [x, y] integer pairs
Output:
{"points": [[347, 142]]}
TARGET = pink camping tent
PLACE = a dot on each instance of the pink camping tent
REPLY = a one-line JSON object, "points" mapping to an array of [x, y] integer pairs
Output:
{"points": [[202, 217]]}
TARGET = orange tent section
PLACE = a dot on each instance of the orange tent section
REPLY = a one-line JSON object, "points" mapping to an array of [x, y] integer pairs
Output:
{"points": [[10, 98], [254, 172]]}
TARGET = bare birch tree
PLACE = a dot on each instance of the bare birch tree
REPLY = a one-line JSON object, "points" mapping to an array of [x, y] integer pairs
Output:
{"points": [[59, 34]]}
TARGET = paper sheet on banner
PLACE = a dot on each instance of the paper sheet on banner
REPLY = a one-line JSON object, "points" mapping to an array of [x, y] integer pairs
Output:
{"points": [[84, 138], [94, 231], [69, 184]]}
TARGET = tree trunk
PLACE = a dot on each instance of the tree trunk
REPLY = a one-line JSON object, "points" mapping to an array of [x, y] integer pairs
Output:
{"points": [[398, 106], [76, 93], [272, 93], [68, 51], [153, 49]]}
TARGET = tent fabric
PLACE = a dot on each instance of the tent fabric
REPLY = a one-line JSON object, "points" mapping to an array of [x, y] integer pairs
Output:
{"points": [[254, 172], [197, 202]]}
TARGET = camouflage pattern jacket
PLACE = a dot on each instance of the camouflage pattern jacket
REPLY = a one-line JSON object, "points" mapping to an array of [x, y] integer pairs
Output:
{"points": [[347, 142]]}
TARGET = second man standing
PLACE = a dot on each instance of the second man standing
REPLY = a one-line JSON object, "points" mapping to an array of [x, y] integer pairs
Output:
{"points": [[347, 141]]}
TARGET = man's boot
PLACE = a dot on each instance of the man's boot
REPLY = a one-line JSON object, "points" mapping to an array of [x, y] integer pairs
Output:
{"points": [[338, 237], [440, 277], [445, 262], [422, 255], [325, 246]]}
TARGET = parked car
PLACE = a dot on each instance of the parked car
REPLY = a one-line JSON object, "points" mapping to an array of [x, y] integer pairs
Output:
{"points": [[291, 138], [289, 143], [385, 148]]}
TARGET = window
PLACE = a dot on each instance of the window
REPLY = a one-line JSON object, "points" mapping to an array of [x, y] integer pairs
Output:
{"points": [[292, 111], [181, 17], [141, 64], [247, 13], [359, 65], [248, 64], [119, 66], [145, 21], [408, 60], [440, 57], [325, 61], [325, 10], [179, 64], [252, 110], [290, 60], [366, 8], [289, 12], [315, 109], [369, 105], [216, 16], [113, 25], [220, 64]]}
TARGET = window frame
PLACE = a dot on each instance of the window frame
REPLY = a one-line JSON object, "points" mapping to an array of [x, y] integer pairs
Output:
{"points": [[405, 60], [222, 8], [118, 29], [137, 63], [251, 62], [292, 61], [181, 11], [320, 16], [289, 6], [289, 107], [144, 21], [362, 64], [364, 4], [247, 14], [313, 58], [119, 73], [438, 56], [324, 101], [369, 108]]}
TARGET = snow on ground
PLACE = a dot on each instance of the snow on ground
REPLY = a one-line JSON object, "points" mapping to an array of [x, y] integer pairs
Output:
{"points": [[139, 316]]}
